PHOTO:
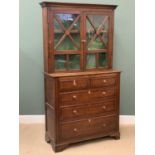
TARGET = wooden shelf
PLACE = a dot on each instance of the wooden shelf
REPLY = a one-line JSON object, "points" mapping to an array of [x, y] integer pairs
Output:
{"points": [[103, 31], [72, 31], [78, 31]]}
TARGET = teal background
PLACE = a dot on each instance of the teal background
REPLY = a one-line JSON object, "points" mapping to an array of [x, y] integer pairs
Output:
{"points": [[31, 54]]}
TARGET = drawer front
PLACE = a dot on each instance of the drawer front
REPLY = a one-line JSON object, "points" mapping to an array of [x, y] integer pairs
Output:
{"points": [[102, 93], [85, 96], [100, 125], [86, 111], [68, 84], [102, 81], [74, 97]]}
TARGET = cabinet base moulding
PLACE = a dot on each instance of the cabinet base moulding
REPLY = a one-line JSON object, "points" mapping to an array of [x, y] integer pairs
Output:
{"points": [[61, 147]]}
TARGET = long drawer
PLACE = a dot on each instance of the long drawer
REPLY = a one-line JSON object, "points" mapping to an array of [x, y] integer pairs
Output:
{"points": [[88, 110], [78, 97], [88, 127]]}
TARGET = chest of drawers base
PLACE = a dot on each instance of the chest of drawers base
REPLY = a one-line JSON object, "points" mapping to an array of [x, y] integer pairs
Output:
{"points": [[81, 107]]}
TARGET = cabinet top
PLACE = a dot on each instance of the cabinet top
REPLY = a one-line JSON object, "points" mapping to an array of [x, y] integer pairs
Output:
{"points": [[56, 4], [83, 73]]}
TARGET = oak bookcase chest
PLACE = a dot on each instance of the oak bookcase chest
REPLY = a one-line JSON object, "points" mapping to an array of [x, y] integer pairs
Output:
{"points": [[81, 88]]}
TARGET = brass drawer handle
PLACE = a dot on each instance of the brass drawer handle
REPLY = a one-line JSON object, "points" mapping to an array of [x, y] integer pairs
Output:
{"points": [[74, 96], [104, 125], [104, 81], [103, 92], [74, 83], [89, 120], [83, 41], [75, 129], [104, 107], [89, 92], [75, 111]]}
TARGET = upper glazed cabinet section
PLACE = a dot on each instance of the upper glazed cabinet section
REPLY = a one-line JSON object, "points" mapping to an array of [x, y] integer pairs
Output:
{"points": [[78, 37]]}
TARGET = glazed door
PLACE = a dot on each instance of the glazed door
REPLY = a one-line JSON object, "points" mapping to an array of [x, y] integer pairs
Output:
{"points": [[80, 40], [97, 51], [67, 49]]}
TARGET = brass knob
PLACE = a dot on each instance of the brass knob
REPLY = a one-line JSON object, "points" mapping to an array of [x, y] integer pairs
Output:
{"points": [[74, 83], [89, 92], [83, 41], [104, 125], [103, 92], [75, 111], [74, 96], [104, 81], [104, 107], [89, 120], [75, 129]]}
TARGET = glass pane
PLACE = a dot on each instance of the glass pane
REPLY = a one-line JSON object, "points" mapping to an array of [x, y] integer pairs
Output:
{"points": [[97, 32], [67, 44], [66, 32], [57, 37], [60, 62], [91, 61], [57, 27], [67, 19], [103, 60], [74, 62]]}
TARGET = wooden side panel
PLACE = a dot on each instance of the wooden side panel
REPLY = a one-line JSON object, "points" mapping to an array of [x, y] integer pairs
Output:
{"points": [[50, 108], [50, 123], [111, 30], [118, 99], [45, 38], [50, 91]]}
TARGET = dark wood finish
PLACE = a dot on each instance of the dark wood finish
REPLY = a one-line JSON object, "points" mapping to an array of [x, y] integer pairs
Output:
{"points": [[87, 95], [87, 127], [70, 113], [73, 83], [102, 81], [79, 105]]}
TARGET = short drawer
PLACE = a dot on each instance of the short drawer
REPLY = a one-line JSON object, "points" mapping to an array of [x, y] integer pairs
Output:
{"points": [[88, 110], [102, 81], [70, 83], [88, 127], [102, 93], [85, 96]]}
